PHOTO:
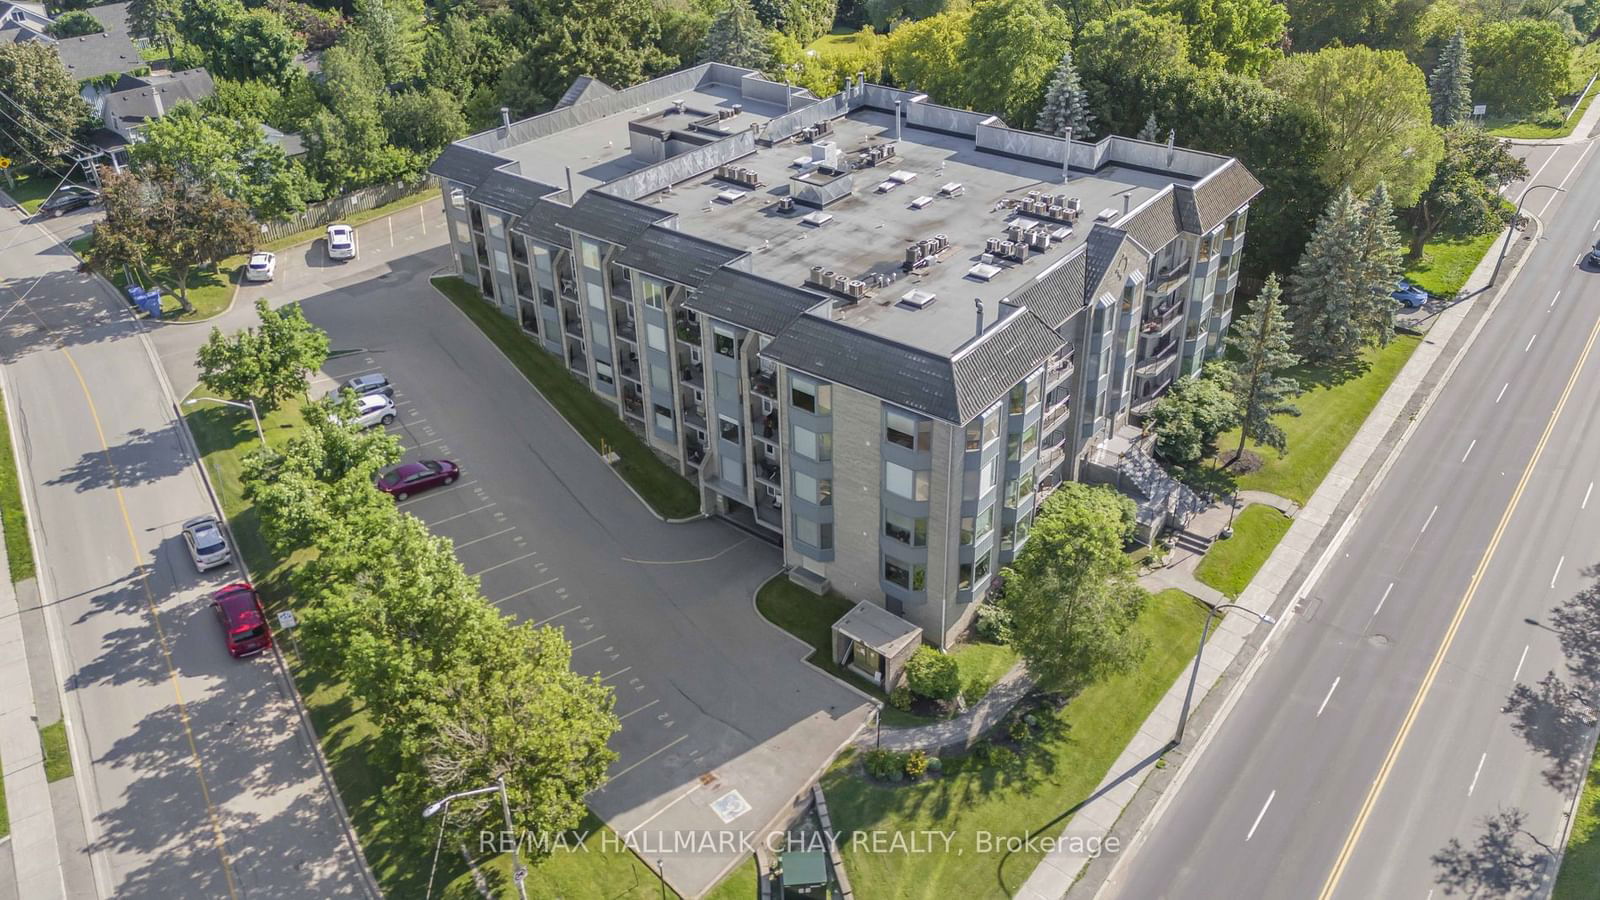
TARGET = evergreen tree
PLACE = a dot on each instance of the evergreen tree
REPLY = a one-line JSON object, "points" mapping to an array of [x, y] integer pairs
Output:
{"points": [[1066, 104], [1151, 131], [1258, 349], [1380, 257], [737, 38], [1450, 85], [1326, 301]]}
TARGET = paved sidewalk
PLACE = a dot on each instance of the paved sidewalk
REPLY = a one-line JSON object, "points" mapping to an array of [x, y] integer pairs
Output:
{"points": [[960, 731], [1059, 871], [1580, 131], [35, 856]]}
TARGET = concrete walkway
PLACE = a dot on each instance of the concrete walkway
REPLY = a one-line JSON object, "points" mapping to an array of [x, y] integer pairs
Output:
{"points": [[1580, 131], [963, 730], [1177, 571], [1060, 870]]}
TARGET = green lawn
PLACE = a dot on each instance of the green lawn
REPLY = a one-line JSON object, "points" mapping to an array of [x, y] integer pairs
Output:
{"points": [[1229, 565], [667, 492], [1447, 262], [840, 42], [1332, 409], [30, 190], [13, 518], [5, 818], [1037, 795], [583, 875], [981, 665], [1579, 878], [57, 758], [224, 435], [210, 289], [1585, 61]]}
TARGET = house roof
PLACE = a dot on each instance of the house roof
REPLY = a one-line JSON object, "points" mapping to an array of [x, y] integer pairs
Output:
{"points": [[609, 217], [986, 370], [540, 222], [292, 144], [158, 96], [1099, 251], [113, 17], [586, 87], [509, 192], [465, 165], [1222, 192], [1156, 223], [1057, 293], [94, 55], [676, 256], [751, 301]]}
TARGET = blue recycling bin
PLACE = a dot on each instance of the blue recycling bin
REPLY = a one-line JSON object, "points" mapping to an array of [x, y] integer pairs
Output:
{"points": [[150, 302]]}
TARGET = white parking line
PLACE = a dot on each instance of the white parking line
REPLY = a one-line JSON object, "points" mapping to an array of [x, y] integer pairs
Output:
{"points": [[439, 492], [501, 565], [1586, 496], [457, 515], [1530, 343], [680, 739], [1430, 514], [621, 671], [588, 642], [425, 444], [1502, 392], [485, 537], [1257, 823], [639, 710], [557, 615], [529, 590], [402, 425]]}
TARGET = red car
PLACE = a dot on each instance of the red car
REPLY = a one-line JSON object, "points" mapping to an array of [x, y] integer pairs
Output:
{"points": [[410, 478], [244, 622]]}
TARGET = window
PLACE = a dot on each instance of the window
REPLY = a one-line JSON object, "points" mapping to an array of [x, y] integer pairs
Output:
{"points": [[964, 577], [519, 250], [985, 524], [980, 569], [1014, 404], [591, 254], [660, 380], [987, 476], [1013, 446], [729, 429], [1030, 439], [602, 372], [663, 417], [723, 341], [909, 431], [1035, 382], [810, 395], [813, 489], [1007, 535], [975, 435], [817, 534], [967, 525], [991, 426], [502, 263], [911, 484], [812, 445], [655, 336], [655, 293], [910, 576], [905, 529], [497, 225], [1020, 489]]}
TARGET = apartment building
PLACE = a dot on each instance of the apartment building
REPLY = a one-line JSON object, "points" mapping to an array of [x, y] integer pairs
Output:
{"points": [[876, 329]]}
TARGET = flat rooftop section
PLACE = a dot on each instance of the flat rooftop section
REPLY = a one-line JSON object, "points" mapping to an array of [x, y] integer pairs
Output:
{"points": [[599, 151], [870, 231]]}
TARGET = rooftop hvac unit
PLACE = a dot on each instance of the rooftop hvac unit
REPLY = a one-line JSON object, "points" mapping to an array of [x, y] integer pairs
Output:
{"points": [[1019, 251], [943, 241], [815, 276], [821, 150], [1033, 195], [722, 172], [840, 284], [992, 245], [1008, 249], [914, 254], [1073, 204], [817, 219], [953, 189], [825, 126], [921, 202], [785, 204], [1014, 232], [1039, 240], [856, 289], [918, 299], [737, 108]]}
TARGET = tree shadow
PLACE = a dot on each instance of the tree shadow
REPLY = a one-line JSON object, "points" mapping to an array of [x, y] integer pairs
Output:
{"points": [[1557, 723], [1499, 863], [145, 457], [1329, 374]]}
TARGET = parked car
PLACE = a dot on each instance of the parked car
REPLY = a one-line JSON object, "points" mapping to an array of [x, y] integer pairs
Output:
{"points": [[341, 242], [67, 199], [373, 409], [410, 478], [1409, 295], [261, 267], [207, 547], [244, 622], [365, 385]]}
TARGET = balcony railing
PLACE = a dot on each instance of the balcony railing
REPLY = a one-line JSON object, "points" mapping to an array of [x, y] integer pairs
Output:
{"points": [[1171, 276], [765, 384], [625, 330], [1054, 414], [695, 417], [769, 472], [694, 376]]}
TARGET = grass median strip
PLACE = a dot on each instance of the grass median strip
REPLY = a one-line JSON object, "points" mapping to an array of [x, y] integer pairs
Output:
{"points": [[667, 492], [57, 757], [13, 518], [1579, 878]]}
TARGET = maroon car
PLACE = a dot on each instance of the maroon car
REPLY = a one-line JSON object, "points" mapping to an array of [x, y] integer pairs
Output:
{"points": [[410, 478], [244, 622]]}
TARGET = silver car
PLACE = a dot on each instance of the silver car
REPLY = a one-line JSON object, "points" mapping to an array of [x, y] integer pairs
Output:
{"points": [[207, 547], [373, 409], [363, 385]]}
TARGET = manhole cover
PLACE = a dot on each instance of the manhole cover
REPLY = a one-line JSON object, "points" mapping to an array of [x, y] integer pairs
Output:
{"points": [[730, 806], [1379, 640]]}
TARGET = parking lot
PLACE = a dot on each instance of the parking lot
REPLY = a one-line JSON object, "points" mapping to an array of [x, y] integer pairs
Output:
{"points": [[717, 707]]}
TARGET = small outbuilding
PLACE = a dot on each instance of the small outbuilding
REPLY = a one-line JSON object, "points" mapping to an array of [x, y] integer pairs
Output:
{"points": [[875, 643]]}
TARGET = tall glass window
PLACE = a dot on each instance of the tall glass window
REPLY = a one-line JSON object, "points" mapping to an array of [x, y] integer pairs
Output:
{"points": [[810, 395]]}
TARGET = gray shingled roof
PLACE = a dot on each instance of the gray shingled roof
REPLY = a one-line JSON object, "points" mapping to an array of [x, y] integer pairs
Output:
{"points": [[93, 55], [1156, 224], [676, 256], [540, 223], [586, 87], [1187, 210], [609, 217], [1057, 294], [751, 301], [902, 375], [510, 192], [1229, 188], [1099, 250], [986, 370], [158, 96], [465, 165]]}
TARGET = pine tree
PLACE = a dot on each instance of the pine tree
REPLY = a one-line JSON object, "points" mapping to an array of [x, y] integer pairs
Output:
{"points": [[1327, 300], [1066, 103], [1380, 255], [737, 38], [1151, 131], [1450, 85], [1258, 348]]}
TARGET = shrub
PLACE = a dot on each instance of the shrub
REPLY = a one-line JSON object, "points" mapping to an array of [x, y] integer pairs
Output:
{"points": [[932, 674], [994, 623], [1019, 730], [916, 764], [900, 698], [935, 764], [1002, 757], [982, 751], [882, 763]]}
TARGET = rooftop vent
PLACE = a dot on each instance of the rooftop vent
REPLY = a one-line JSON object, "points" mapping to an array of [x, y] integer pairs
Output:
{"points": [[921, 202], [902, 176], [1107, 214], [953, 189], [817, 219], [885, 187], [918, 299], [730, 196], [983, 271]]}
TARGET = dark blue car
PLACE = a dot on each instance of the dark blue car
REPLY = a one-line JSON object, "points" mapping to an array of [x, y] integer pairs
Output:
{"points": [[1409, 295]]}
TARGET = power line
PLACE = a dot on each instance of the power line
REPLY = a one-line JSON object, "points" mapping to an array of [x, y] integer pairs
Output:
{"points": [[82, 149]]}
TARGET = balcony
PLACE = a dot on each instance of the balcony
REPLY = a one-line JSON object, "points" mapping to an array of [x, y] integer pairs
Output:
{"points": [[693, 453], [1052, 455], [769, 473], [572, 325], [765, 384], [694, 416], [769, 510], [1171, 277], [693, 376], [688, 331], [1150, 357], [630, 369], [1057, 411], [1159, 321], [632, 403], [1060, 370], [765, 426], [578, 362], [625, 330]]}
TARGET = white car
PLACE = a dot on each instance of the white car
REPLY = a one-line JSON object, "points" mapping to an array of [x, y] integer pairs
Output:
{"points": [[207, 547], [341, 242], [373, 409], [261, 266]]}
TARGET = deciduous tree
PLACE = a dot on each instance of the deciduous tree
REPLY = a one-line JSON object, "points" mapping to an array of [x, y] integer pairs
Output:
{"points": [[1009, 50], [155, 20], [240, 43], [1128, 58], [232, 154], [1522, 66], [932, 674], [1241, 36], [803, 20], [269, 363], [45, 112], [75, 24], [424, 121], [1190, 415], [616, 41], [392, 31], [926, 55], [1258, 350], [1464, 196], [1071, 591]]}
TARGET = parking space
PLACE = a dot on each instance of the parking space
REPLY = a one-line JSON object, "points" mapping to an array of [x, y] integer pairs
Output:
{"points": [[722, 723], [308, 268]]}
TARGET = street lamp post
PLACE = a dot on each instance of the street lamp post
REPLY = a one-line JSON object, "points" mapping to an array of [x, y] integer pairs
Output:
{"points": [[1194, 674], [519, 872], [248, 404], [1518, 217]]}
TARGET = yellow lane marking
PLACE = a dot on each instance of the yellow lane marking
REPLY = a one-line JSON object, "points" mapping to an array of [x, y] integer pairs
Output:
{"points": [[1455, 624]]}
